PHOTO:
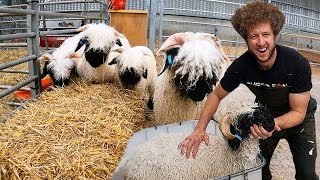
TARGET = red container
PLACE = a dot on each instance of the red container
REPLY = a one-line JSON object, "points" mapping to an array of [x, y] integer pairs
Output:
{"points": [[53, 40], [118, 4]]}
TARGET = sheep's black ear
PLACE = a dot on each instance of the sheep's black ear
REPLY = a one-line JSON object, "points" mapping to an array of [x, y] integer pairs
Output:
{"points": [[119, 42], [44, 70], [171, 54], [83, 41], [114, 61], [145, 74], [150, 104]]}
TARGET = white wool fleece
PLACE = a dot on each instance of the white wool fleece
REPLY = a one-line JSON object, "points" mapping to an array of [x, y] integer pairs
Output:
{"points": [[61, 64], [160, 158], [208, 63], [139, 58], [100, 36]]}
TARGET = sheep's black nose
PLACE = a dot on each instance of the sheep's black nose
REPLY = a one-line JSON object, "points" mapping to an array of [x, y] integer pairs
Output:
{"points": [[95, 57], [129, 77]]}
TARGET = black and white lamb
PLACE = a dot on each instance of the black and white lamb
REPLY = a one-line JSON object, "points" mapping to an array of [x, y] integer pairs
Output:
{"points": [[193, 64], [136, 70], [84, 54]]}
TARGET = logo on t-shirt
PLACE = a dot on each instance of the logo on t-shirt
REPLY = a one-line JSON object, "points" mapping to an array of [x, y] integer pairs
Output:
{"points": [[261, 84]]}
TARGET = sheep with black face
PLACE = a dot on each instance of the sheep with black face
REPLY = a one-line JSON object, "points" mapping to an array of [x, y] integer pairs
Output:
{"points": [[193, 64], [96, 43], [136, 70], [84, 54]]}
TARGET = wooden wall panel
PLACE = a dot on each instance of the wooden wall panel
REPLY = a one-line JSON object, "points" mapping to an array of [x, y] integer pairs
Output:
{"points": [[132, 23]]}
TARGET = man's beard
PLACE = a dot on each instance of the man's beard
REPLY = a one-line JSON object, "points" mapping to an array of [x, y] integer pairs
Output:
{"points": [[269, 57]]}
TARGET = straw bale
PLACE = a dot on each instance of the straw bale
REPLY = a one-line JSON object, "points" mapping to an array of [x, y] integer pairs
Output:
{"points": [[75, 132]]}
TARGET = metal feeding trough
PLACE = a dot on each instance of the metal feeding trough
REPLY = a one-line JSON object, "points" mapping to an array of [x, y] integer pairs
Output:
{"points": [[147, 134]]}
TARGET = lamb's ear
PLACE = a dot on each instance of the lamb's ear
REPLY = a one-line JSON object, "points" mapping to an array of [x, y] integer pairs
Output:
{"points": [[145, 74], [174, 41], [118, 42], [45, 57], [114, 61], [119, 50], [82, 41], [73, 56], [147, 52], [83, 28], [170, 55]]}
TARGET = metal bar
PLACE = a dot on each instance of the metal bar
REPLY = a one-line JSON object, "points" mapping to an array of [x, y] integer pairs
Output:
{"points": [[161, 23], [17, 86], [55, 32], [294, 5], [152, 24], [103, 3], [16, 11], [16, 36], [16, 62], [8, 87], [14, 71], [58, 14], [225, 2], [33, 48], [14, 21], [13, 44], [14, 104], [68, 2], [191, 10], [192, 22]]}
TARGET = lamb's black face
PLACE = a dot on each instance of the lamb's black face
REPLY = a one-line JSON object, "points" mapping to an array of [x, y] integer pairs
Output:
{"points": [[129, 78], [96, 57], [203, 87]]}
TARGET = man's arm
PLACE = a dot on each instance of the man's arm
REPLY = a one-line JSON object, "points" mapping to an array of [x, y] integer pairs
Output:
{"points": [[298, 103], [192, 142], [210, 107]]}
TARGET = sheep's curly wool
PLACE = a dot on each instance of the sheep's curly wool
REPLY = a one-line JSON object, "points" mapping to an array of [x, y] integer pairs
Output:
{"points": [[198, 57], [256, 12], [139, 59], [101, 38], [188, 61], [159, 158]]}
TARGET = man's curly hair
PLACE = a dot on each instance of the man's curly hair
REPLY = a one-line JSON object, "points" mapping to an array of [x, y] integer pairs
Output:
{"points": [[253, 13]]}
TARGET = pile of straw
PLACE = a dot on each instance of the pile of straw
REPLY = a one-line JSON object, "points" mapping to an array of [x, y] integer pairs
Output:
{"points": [[75, 132]]}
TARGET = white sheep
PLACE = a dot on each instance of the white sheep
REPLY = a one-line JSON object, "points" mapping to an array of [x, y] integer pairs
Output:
{"points": [[97, 42], [136, 70], [83, 55], [58, 65], [194, 63], [159, 158]]}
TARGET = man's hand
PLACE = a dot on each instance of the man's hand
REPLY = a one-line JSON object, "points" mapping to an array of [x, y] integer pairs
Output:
{"points": [[192, 142], [261, 133]]}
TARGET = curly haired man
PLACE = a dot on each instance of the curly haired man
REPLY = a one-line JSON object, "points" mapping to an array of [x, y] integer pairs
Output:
{"points": [[280, 78]]}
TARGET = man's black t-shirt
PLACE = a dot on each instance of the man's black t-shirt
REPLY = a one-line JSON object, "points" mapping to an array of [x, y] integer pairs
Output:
{"points": [[291, 73]]}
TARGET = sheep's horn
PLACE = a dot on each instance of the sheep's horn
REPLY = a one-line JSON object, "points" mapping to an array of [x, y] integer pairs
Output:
{"points": [[224, 125], [175, 40]]}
